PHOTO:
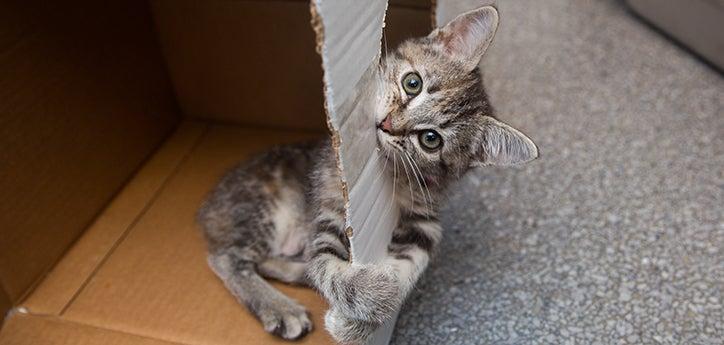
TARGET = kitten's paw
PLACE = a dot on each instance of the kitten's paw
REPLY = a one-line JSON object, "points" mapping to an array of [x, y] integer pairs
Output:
{"points": [[286, 319], [372, 293], [347, 331]]}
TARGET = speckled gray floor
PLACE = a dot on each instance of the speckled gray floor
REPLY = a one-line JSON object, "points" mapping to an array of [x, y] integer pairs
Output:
{"points": [[615, 235]]}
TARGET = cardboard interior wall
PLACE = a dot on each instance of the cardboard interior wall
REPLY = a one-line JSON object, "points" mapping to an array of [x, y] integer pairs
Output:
{"points": [[84, 99], [240, 62]]}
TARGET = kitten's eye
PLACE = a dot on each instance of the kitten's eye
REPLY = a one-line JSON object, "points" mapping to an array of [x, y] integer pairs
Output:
{"points": [[430, 140], [412, 84]]}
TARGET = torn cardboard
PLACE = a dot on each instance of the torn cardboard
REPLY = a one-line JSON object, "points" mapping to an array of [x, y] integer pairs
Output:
{"points": [[349, 34]]}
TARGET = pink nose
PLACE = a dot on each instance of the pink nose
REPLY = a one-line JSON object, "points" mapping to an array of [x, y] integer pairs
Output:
{"points": [[386, 125]]}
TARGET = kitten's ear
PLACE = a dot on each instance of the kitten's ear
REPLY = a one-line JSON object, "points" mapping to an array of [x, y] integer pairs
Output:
{"points": [[501, 144], [468, 36]]}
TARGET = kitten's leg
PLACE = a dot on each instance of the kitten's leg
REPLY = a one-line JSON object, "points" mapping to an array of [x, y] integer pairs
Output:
{"points": [[372, 292], [411, 246], [285, 270], [364, 296], [363, 292], [346, 330], [278, 313], [242, 222]]}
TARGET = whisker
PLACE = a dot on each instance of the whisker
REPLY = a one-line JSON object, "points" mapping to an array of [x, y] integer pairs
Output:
{"points": [[422, 177], [381, 172], [377, 157], [417, 179], [409, 182], [394, 174], [394, 183], [424, 183]]}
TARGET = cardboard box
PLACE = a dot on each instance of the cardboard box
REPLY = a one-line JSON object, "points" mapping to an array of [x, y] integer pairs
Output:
{"points": [[116, 118]]}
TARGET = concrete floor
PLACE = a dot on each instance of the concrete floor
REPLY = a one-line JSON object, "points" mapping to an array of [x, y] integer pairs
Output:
{"points": [[615, 235]]}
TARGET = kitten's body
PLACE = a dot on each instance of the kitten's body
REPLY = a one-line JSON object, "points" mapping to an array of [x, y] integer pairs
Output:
{"points": [[281, 214]]}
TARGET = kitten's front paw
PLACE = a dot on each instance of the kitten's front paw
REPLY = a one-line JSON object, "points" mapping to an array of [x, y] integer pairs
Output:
{"points": [[371, 293], [347, 331], [286, 319]]}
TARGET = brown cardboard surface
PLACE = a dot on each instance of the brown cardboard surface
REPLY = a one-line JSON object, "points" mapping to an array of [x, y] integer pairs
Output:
{"points": [[249, 62], [84, 99], [405, 22], [36, 330], [418, 4], [5, 303], [57, 290], [156, 282]]}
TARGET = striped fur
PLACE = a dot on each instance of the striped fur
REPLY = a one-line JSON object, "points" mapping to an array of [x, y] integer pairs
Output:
{"points": [[281, 214]]}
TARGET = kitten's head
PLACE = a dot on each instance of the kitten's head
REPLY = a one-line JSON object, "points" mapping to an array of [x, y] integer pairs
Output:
{"points": [[434, 107]]}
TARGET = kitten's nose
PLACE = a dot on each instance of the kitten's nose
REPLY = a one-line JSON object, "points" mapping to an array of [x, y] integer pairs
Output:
{"points": [[386, 125]]}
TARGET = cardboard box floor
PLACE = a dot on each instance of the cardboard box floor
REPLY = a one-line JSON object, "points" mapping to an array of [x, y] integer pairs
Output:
{"points": [[138, 275]]}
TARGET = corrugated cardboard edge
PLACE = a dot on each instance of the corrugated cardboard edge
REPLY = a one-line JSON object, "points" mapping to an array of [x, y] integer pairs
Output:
{"points": [[67, 279], [318, 27]]}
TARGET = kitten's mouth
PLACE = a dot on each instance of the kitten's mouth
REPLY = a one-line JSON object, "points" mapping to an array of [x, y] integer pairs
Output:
{"points": [[383, 139], [386, 137], [386, 141], [383, 133], [379, 128]]}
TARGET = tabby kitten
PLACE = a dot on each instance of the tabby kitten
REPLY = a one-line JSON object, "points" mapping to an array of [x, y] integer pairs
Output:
{"points": [[280, 215]]}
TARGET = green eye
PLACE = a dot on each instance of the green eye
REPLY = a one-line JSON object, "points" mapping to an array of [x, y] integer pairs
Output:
{"points": [[412, 84], [430, 140]]}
